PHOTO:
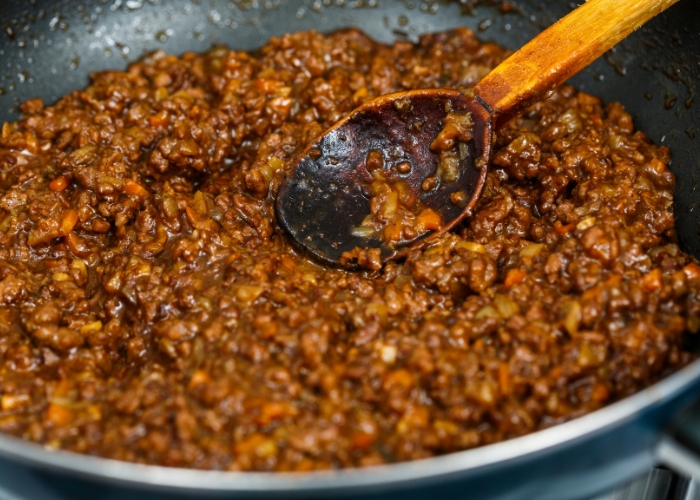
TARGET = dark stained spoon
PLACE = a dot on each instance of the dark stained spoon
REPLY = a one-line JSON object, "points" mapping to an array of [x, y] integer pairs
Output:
{"points": [[429, 149]]}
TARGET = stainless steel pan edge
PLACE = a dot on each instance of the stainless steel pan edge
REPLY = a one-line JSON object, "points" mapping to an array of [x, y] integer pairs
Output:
{"points": [[65, 39]]}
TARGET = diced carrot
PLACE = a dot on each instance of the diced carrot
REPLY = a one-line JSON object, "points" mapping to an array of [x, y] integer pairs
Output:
{"points": [[560, 228], [160, 119], [58, 415], [198, 377], [504, 378], [77, 245], [275, 410], [362, 441], [427, 220], [63, 387], [613, 280], [192, 215], [195, 111], [400, 377], [600, 393], [268, 85], [135, 188], [70, 219], [248, 445], [514, 277], [393, 232], [652, 281], [596, 119], [305, 465], [58, 184], [555, 372]]}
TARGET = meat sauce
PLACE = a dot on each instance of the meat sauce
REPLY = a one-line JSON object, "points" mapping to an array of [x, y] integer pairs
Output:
{"points": [[396, 216], [151, 310]]}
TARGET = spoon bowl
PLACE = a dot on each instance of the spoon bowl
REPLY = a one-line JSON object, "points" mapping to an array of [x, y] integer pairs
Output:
{"points": [[327, 194]]}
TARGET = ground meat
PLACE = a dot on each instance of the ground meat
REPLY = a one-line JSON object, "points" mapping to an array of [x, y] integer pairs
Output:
{"points": [[153, 312]]}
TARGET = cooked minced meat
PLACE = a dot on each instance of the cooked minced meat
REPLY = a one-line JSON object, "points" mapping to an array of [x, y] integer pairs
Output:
{"points": [[152, 311]]}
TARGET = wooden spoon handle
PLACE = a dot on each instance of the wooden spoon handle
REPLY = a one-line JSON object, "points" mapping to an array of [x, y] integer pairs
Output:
{"points": [[561, 51]]}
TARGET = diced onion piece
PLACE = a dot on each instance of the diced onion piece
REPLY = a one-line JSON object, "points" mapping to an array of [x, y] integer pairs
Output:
{"points": [[170, 207], [590, 356], [505, 305], [83, 156], [390, 205], [586, 223], [13, 401], [571, 120], [388, 354], [446, 426], [487, 312], [94, 326], [531, 250], [449, 166], [472, 246], [275, 163], [249, 293], [189, 148], [573, 317], [694, 324], [362, 231], [6, 222], [80, 265]]}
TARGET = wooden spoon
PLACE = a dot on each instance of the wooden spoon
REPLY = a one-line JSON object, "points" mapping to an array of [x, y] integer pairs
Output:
{"points": [[324, 202]]}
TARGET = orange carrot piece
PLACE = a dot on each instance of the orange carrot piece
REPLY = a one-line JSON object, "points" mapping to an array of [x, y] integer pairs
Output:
{"points": [[70, 219], [58, 184], [427, 220], [514, 277]]}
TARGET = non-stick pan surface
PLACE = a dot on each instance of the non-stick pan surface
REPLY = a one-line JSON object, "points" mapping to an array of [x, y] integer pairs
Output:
{"points": [[48, 48]]}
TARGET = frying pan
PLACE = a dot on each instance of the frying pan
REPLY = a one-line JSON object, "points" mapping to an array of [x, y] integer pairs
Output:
{"points": [[48, 48]]}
